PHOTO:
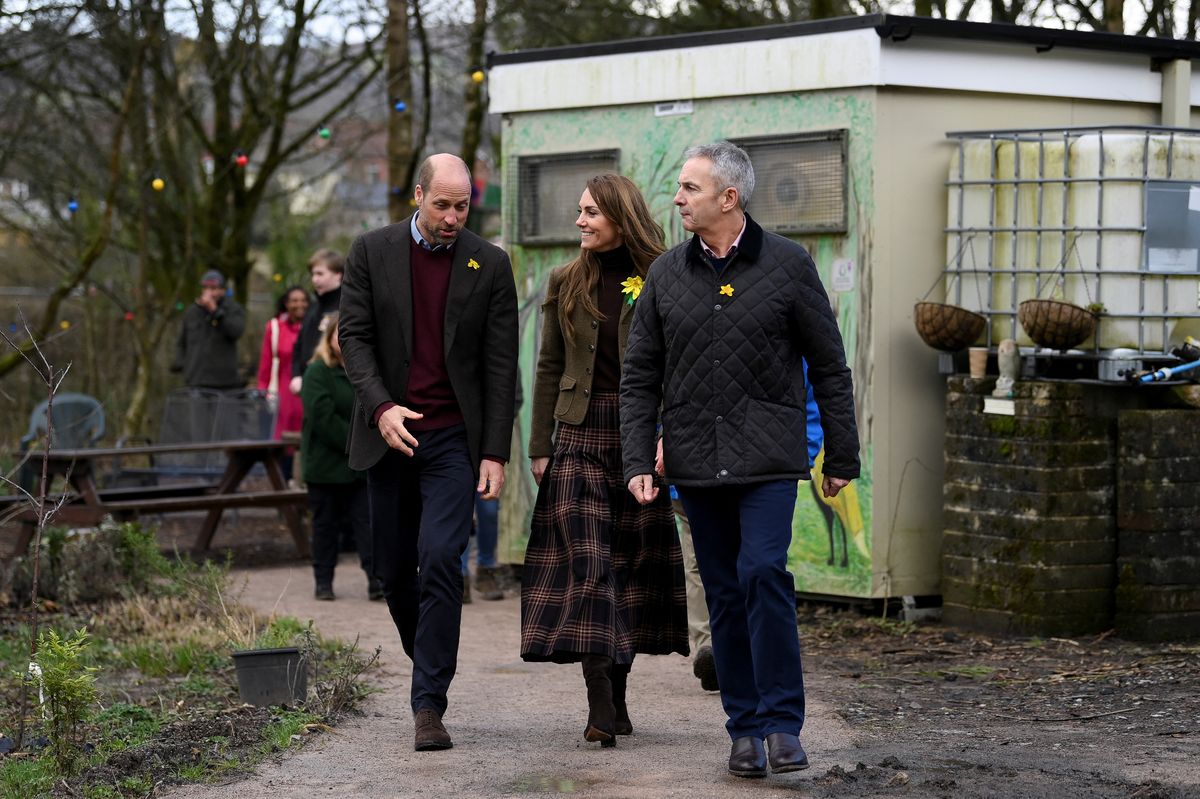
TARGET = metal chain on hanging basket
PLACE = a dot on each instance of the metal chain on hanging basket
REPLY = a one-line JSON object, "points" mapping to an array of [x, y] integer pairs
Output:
{"points": [[1055, 323], [947, 327]]}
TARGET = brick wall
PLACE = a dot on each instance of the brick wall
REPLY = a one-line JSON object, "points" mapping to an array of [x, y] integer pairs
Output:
{"points": [[1158, 519], [1030, 530]]}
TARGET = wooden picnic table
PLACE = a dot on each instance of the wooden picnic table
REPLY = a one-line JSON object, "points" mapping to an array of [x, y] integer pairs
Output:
{"points": [[87, 504]]}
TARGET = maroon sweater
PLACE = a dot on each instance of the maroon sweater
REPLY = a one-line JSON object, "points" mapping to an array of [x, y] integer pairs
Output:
{"points": [[429, 389]]}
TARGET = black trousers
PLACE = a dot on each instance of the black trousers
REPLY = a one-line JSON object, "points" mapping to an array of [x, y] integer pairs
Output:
{"points": [[339, 509], [421, 508]]}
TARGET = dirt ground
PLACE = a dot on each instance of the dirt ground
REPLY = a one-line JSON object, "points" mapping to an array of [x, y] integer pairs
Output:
{"points": [[895, 709]]}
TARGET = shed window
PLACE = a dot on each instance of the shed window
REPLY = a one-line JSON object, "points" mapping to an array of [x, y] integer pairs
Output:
{"points": [[800, 182], [549, 189]]}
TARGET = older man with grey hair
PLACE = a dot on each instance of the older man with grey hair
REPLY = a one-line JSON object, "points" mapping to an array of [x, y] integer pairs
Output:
{"points": [[720, 334]]}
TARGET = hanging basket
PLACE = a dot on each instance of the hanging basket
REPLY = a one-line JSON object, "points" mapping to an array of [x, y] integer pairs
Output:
{"points": [[947, 327], [1056, 325]]}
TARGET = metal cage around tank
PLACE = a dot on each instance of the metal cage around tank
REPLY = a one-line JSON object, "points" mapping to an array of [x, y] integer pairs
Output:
{"points": [[1096, 216]]}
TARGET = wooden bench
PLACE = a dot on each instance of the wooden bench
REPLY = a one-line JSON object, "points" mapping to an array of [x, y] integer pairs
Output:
{"points": [[87, 505]]}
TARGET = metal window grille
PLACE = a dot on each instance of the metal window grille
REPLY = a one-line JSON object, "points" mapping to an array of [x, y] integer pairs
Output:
{"points": [[1089, 215], [800, 182], [548, 192]]}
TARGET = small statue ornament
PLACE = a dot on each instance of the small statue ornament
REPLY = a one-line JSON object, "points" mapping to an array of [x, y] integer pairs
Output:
{"points": [[1008, 359]]}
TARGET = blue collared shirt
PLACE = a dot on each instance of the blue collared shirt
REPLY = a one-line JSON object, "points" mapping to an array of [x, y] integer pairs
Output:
{"points": [[420, 239]]}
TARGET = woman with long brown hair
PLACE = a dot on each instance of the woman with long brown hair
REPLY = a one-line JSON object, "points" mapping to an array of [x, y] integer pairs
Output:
{"points": [[603, 578]]}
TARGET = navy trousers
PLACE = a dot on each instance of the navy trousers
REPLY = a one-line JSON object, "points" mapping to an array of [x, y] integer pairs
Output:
{"points": [[741, 535], [421, 509]]}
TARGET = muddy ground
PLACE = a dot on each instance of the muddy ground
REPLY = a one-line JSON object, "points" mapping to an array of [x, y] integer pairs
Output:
{"points": [[902, 709], [952, 713]]}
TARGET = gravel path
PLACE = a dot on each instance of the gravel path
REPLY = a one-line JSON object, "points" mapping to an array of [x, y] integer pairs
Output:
{"points": [[517, 726]]}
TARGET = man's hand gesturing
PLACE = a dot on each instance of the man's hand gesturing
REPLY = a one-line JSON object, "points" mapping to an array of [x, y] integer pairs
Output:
{"points": [[391, 427]]}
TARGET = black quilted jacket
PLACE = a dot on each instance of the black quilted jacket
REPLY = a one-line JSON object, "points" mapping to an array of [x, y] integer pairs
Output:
{"points": [[726, 368]]}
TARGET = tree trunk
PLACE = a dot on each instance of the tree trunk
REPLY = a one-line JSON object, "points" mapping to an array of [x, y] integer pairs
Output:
{"points": [[410, 174], [1114, 16], [399, 83], [134, 422], [473, 130], [91, 374]]}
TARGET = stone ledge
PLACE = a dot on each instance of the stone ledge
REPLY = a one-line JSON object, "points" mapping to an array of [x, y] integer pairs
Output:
{"points": [[1001, 622], [1029, 478], [1018, 599], [1005, 524], [1097, 502], [1028, 577], [1158, 626], [1158, 543], [1019, 551], [988, 449]]}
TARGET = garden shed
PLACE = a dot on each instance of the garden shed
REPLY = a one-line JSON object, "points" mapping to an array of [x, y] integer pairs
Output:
{"points": [[855, 126]]}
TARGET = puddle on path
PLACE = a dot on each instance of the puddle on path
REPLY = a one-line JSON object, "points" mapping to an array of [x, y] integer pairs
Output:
{"points": [[549, 783]]}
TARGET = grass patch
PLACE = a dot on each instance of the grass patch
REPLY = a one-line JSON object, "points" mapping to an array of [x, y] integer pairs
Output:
{"points": [[28, 776], [288, 728], [167, 708]]}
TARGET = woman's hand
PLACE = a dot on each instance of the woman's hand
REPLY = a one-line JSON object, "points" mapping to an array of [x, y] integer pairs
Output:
{"points": [[538, 467]]}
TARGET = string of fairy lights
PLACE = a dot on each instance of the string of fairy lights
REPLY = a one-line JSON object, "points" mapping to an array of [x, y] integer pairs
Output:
{"points": [[240, 160]]}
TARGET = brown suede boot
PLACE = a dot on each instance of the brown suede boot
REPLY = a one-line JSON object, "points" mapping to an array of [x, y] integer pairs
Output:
{"points": [[620, 679], [601, 712], [431, 734]]}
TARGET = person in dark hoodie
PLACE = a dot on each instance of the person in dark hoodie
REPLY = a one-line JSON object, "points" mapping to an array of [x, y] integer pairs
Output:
{"points": [[325, 269], [206, 350]]}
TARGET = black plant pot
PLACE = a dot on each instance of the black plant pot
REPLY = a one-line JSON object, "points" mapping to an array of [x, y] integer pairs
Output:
{"points": [[271, 676]]}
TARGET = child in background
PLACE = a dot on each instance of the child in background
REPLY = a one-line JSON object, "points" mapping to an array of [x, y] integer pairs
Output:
{"points": [[337, 494]]}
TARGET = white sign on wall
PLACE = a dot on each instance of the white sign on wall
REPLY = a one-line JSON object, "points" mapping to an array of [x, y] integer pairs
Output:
{"points": [[675, 108], [843, 275]]}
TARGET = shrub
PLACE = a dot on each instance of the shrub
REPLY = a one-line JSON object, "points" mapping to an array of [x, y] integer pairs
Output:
{"points": [[69, 690]]}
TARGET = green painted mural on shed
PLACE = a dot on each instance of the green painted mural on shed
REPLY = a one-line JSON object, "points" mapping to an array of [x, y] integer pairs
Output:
{"points": [[831, 547]]}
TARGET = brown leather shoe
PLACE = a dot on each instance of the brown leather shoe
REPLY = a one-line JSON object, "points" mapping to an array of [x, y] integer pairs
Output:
{"points": [[431, 734]]}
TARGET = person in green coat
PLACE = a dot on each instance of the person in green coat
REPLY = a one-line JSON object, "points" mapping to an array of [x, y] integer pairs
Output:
{"points": [[337, 494]]}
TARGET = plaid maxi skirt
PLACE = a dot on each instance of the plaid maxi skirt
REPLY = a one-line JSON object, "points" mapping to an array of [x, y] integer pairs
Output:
{"points": [[603, 575]]}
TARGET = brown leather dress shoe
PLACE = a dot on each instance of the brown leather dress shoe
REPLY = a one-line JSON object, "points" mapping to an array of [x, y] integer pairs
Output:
{"points": [[431, 734]]}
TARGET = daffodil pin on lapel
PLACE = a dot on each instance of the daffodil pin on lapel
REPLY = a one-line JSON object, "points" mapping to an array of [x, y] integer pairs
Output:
{"points": [[727, 289], [632, 287], [473, 263]]}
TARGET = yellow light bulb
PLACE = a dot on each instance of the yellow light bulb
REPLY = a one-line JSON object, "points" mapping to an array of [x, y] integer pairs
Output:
{"points": [[158, 184]]}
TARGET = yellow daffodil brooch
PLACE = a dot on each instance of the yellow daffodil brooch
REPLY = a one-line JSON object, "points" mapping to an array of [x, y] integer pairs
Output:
{"points": [[473, 263], [727, 289], [633, 287]]}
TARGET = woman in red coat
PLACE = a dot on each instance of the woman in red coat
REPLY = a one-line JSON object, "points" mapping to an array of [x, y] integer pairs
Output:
{"points": [[275, 364]]}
